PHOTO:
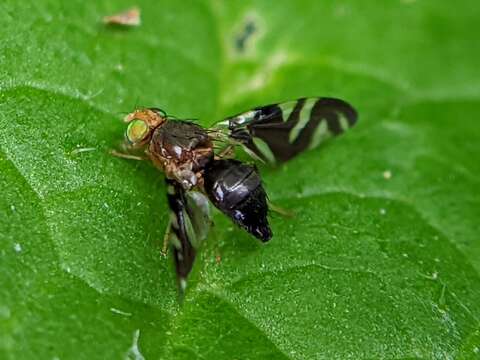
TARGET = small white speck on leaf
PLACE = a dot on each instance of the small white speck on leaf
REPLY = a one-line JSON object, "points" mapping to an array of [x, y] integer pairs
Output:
{"points": [[383, 211], [13, 208], [405, 255], [387, 174], [17, 247], [120, 312], [134, 352], [435, 275], [80, 150], [105, 205], [476, 350]]}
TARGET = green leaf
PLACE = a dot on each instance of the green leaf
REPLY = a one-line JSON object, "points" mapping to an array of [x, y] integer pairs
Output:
{"points": [[381, 260]]}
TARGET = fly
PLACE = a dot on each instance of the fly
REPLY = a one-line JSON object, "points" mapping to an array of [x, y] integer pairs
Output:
{"points": [[200, 168]]}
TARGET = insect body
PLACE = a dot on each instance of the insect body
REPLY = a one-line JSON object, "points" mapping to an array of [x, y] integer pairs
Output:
{"points": [[180, 148], [196, 173], [236, 189]]}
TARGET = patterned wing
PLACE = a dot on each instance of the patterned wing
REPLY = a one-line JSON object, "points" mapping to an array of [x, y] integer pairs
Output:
{"points": [[189, 225], [278, 132]]}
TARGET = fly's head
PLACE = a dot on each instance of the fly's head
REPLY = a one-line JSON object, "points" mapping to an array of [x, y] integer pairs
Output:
{"points": [[141, 125]]}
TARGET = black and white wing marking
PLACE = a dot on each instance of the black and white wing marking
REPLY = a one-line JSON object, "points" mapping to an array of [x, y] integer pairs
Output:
{"points": [[278, 132], [189, 224]]}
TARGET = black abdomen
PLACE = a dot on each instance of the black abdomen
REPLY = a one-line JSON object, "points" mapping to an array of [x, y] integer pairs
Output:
{"points": [[236, 189]]}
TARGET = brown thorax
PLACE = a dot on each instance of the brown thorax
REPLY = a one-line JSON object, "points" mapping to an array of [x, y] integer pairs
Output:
{"points": [[181, 149]]}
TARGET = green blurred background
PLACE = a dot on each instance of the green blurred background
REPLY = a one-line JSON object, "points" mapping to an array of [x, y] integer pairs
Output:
{"points": [[382, 258]]}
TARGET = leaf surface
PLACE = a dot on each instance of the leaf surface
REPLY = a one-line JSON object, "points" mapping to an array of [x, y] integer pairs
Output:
{"points": [[382, 257]]}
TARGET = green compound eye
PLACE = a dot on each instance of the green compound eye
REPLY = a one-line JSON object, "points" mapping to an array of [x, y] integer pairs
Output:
{"points": [[136, 131]]}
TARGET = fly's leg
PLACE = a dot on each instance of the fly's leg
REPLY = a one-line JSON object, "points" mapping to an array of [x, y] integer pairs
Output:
{"points": [[127, 156], [281, 211], [227, 152], [166, 239], [218, 255]]}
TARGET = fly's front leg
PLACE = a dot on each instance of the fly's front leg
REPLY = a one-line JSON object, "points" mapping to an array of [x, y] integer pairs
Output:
{"points": [[127, 156], [126, 153]]}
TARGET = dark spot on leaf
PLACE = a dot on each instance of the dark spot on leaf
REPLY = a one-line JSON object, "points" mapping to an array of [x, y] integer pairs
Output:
{"points": [[242, 39]]}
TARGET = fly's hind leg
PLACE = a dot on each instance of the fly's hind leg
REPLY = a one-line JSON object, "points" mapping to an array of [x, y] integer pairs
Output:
{"points": [[166, 239], [281, 211]]}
